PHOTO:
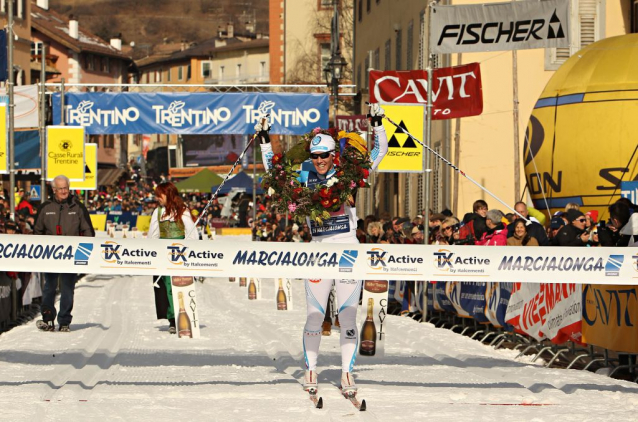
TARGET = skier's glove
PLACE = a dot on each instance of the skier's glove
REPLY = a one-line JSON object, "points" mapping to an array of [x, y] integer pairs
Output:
{"points": [[262, 128], [375, 115]]}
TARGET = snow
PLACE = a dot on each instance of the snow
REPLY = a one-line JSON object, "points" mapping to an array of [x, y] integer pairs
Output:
{"points": [[120, 363]]}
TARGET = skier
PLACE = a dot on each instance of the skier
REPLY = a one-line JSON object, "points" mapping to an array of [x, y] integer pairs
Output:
{"points": [[317, 171]]}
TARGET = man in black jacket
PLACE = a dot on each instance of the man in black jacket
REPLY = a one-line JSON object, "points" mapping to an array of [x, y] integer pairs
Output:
{"points": [[534, 229], [574, 233], [64, 215]]}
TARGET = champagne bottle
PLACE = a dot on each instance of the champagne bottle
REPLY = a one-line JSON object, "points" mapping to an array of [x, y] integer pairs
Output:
{"points": [[282, 302], [368, 344], [231, 279], [252, 290], [183, 321], [242, 281]]}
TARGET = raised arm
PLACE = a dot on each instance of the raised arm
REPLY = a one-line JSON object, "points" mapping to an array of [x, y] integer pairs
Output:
{"points": [[380, 138], [262, 128]]}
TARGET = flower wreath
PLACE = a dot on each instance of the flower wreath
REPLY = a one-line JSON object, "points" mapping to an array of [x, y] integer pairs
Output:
{"points": [[352, 168]]}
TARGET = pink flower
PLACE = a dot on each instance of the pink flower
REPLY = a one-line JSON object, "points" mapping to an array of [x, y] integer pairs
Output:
{"points": [[316, 130], [352, 184], [292, 183], [292, 207]]}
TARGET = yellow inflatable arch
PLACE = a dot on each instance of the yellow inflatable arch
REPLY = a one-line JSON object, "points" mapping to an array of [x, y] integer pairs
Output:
{"points": [[582, 137]]}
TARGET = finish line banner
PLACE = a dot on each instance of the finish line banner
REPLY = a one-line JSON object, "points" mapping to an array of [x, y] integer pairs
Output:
{"points": [[191, 113], [500, 26], [66, 254]]}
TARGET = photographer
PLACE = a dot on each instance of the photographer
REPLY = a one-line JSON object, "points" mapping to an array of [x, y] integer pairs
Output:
{"points": [[449, 232], [618, 231]]}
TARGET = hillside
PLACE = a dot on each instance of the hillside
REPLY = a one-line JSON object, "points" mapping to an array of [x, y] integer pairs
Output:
{"points": [[151, 22]]}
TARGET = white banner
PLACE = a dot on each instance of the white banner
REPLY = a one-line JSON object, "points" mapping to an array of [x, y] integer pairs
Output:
{"points": [[26, 109], [222, 258], [513, 25]]}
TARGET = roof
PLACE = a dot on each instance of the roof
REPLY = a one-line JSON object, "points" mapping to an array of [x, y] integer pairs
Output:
{"points": [[56, 27], [205, 48]]}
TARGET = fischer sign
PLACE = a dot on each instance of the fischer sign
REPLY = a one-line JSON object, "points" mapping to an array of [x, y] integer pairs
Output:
{"points": [[456, 91]]}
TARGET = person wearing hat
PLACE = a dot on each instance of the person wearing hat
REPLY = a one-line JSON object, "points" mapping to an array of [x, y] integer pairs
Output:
{"points": [[574, 233], [340, 228], [555, 225]]}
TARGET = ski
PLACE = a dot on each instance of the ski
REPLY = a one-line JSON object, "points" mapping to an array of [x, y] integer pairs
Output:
{"points": [[352, 397], [315, 398]]}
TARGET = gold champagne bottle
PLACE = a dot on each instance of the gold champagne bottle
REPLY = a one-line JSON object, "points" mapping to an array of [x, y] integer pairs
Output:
{"points": [[282, 302], [231, 279], [252, 290], [183, 321], [368, 345], [242, 281]]}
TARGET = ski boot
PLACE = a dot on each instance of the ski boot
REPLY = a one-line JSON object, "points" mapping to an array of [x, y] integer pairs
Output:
{"points": [[310, 382], [348, 387]]}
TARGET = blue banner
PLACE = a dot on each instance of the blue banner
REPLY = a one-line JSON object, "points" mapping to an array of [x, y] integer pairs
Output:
{"points": [[191, 113]]}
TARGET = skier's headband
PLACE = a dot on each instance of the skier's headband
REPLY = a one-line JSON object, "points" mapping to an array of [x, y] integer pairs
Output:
{"points": [[322, 143]]}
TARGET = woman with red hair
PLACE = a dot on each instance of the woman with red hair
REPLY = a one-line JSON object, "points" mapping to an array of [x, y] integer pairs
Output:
{"points": [[170, 220]]}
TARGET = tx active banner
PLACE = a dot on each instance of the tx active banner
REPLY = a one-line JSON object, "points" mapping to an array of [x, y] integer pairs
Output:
{"points": [[191, 113], [322, 260], [500, 26], [456, 91]]}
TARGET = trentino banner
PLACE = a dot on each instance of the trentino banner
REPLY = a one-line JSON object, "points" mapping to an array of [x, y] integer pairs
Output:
{"points": [[513, 25], [191, 113]]}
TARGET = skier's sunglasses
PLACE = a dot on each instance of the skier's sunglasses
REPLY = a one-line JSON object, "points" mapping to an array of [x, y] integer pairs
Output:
{"points": [[323, 155]]}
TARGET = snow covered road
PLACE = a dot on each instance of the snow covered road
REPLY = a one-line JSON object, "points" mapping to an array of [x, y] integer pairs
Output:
{"points": [[120, 363]]}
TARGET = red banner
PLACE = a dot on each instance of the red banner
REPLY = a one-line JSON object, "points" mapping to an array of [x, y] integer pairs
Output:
{"points": [[456, 91]]}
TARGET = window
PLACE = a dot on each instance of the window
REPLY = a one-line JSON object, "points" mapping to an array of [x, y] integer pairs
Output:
{"points": [[421, 41], [105, 65], [410, 44], [180, 73], [325, 56], [397, 48], [366, 67], [587, 25], [151, 77], [262, 68], [19, 8], [90, 62], [168, 74], [358, 80], [360, 9], [207, 69], [388, 57], [158, 75], [368, 5], [376, 59], [36, 48], [109, 141]]}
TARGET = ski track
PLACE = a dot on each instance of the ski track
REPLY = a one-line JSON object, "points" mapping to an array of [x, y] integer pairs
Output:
{"points": [[120, 363]]}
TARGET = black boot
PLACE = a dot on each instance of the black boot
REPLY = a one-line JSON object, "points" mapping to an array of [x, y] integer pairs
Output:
{"points": [[171, 326]]}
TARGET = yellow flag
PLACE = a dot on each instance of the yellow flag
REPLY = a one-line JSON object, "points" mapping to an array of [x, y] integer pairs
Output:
{"points": [[404, 154], [90, 169], [65, 152], [4, 140]]}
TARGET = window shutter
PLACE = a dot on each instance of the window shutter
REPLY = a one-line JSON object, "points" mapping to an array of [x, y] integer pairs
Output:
{"points": [[587, 17]]}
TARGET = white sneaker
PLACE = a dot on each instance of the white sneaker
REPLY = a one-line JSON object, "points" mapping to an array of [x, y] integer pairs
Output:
{"points": [[310, 381], [347, 384]]}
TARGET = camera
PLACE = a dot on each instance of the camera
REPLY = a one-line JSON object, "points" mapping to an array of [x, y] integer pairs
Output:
{"points": [[470, 240]]}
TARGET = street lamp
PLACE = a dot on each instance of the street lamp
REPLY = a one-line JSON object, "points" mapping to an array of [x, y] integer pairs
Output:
{"points": [[333, 73]]}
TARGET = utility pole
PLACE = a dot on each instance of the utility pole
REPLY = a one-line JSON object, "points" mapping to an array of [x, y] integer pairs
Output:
{"points": [[10, 82]]}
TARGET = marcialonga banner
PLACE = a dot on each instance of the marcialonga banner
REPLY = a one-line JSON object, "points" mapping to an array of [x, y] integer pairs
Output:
{"points": [[90, 169], [373, 324], [505, 26], [404, 155], [185, 306], [4, 140], [65, 152]]}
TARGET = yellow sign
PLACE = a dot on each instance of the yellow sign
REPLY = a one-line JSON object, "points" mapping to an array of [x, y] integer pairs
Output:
{"points": [[98, 221], [90, 169], [404, 154], [143, 223], [610, 317], [65, 152], [4, 140]]}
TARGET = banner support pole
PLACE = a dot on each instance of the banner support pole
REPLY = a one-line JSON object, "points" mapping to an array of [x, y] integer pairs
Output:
{"points": [[10, 83], [43, 79]]}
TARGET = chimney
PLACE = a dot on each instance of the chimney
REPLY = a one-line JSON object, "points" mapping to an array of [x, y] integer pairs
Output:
{"points": [[183, 45], [43, 4], [74, 31], [116, 42], [230, 30]]}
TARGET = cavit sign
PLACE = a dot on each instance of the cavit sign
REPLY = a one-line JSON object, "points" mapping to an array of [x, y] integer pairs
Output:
{"points": [[500, 26], [198, 113], [456, 91]]}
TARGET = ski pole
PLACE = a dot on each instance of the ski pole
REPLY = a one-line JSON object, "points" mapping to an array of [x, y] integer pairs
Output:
{"points": [[210, 201], [440, 157]]}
